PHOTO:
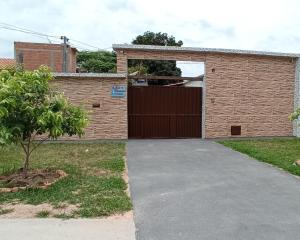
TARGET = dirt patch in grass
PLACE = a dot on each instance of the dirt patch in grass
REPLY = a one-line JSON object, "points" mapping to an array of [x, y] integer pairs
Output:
{"points": [[95, 181], [21, 210], [126, 177], [37, 178], [99, 172]]}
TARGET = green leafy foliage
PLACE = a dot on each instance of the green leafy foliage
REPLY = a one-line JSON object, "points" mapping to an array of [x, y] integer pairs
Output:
{"points": [[29, 108], [140, 69], [154, 67], [295, 115], [98, 61], [105, 61], [162, 39]]}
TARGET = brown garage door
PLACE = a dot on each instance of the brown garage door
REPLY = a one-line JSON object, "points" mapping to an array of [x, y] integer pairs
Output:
{"points": [[164, 112]]}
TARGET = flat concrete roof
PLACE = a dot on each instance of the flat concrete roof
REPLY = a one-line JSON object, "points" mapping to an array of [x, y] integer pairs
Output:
{"points": [[90, 75], [202, 50]]}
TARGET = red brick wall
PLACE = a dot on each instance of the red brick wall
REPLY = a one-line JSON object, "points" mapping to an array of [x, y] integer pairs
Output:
{"points": [[255, 92], [72, 59], [36, 54]]}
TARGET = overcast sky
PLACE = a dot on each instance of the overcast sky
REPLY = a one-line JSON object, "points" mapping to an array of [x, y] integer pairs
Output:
{"points": [[272, 25]]}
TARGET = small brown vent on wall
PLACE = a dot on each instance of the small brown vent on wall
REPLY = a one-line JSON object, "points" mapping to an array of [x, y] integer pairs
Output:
{"points": [[96, 105], [235, 130]]}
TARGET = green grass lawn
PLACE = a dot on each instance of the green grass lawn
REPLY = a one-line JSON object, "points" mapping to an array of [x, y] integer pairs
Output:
{"points": [[278, 151], [94, 182]]}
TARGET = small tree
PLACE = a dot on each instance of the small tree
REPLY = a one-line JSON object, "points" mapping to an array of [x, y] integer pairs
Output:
{"points": [[295, 115], [29, 108]]}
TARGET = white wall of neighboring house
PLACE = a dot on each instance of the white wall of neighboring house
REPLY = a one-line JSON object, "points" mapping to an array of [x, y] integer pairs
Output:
{"points": [[194, 84], [190, 69]]}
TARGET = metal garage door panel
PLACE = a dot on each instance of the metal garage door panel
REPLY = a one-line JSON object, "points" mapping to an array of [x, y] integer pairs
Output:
{"points": [[164, 112]]}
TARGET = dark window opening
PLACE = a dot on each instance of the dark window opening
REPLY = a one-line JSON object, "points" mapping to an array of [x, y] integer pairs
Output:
{"points": [[236, 130], [96, 105], [20, 58]]}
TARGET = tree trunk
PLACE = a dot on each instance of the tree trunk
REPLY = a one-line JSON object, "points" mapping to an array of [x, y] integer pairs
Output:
{"points": [[26, 164], [26, 148]]}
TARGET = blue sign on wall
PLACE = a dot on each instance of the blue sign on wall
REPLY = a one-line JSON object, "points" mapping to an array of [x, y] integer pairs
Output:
{"points": [[118, 91]]}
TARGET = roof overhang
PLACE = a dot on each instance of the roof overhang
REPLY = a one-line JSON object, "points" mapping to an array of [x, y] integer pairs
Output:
{"points": [[201, 50]]}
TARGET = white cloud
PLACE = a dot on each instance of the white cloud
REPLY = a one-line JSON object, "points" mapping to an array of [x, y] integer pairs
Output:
{"points": [[256, 24]]}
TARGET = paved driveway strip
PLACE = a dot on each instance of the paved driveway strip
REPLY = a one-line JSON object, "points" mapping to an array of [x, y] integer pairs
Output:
{"points": [[195, 189]]}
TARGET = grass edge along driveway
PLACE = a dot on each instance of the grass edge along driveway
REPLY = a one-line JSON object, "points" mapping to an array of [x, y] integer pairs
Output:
{"points": [[94, 183], [280, 152]]}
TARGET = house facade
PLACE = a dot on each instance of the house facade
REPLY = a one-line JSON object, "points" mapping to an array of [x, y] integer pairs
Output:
{"points": [[244, 94], [32, 55]]}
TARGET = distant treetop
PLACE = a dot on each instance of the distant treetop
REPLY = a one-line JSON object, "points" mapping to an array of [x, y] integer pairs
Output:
{"points": [[160, 39]]}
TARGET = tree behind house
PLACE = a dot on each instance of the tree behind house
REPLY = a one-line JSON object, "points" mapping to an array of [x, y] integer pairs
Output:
{"points": [[105, 61], [97, 61], [157, 67]]}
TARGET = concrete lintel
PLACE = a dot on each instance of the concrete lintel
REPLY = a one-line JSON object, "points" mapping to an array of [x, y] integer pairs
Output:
{"points": [[91, 75]]}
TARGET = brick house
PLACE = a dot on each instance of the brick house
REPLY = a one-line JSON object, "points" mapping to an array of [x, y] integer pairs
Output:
{"points": [[32, 55], [244, 93]]}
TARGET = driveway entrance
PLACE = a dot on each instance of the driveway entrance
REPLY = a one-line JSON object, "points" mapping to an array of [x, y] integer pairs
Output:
{"points": [[196, 189]]}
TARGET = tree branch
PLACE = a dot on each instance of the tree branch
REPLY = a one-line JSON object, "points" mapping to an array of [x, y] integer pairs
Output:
{"points": [[23, 146], [37, 145]]}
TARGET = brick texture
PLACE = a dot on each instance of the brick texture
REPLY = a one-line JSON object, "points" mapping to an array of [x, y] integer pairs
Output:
{"points": [[255, 92], [107, 122], [33, 55], [7, 63]]}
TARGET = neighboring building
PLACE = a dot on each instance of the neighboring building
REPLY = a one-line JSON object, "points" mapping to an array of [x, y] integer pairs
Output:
{"points": [[32, 55], [7, 63], [195, 83]]}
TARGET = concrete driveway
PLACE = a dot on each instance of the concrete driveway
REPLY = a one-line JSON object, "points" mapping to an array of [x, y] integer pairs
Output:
{"points": [[194, 189]]}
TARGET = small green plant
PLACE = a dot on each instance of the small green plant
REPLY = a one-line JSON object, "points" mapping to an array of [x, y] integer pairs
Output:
{"points": [[31, 110], [43, 214], [60, 205], [6, 211], [63, 216]]}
